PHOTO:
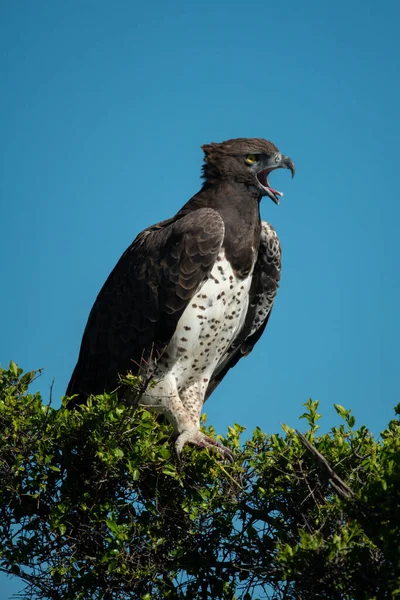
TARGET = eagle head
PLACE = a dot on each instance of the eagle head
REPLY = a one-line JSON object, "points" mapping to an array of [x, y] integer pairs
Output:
{"points": [[248, 161]]}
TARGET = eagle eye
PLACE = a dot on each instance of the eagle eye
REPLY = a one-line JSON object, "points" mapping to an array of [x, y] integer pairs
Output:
{"points": [[251, 159]]}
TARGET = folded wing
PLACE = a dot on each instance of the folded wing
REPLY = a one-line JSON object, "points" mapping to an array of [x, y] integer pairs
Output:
{"points": [[140, 304]]}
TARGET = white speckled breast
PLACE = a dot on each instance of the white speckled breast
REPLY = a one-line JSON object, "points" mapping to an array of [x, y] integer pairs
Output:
{"points": [[204, 332]]}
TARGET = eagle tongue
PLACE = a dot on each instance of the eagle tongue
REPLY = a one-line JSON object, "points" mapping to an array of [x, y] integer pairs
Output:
{"points": [[276, 192], [263, 179]]}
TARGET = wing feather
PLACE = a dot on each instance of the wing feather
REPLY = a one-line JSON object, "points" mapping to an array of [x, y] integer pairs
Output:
{"points": [[141, 302]]}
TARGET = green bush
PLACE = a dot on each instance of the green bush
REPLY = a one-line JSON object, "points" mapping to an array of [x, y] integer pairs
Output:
{"points": [[94, 504]]}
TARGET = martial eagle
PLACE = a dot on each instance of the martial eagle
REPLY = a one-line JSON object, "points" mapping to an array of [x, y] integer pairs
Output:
{"points": [[192, 294]]}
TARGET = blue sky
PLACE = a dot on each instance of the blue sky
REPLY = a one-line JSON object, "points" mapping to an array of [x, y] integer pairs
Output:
{"points": [[104, 107]]}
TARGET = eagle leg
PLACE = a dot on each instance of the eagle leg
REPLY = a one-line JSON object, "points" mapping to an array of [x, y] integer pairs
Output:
{"points": [[197, 438]]}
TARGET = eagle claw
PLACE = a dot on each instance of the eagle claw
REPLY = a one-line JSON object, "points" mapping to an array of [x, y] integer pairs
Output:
{"points": [[197, 438]]}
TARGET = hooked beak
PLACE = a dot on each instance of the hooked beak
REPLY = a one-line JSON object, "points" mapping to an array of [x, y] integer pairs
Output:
{"points": [[287, 163]]}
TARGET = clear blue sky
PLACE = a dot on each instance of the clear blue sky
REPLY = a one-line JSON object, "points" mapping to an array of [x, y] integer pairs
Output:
{"points": [[104, 107]]}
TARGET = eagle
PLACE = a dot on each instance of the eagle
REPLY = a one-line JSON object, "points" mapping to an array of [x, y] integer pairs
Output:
{"points": [[192, 294]]}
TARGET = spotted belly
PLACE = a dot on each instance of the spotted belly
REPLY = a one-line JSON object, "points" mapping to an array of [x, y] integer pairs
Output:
{"points": [[204, 332]]}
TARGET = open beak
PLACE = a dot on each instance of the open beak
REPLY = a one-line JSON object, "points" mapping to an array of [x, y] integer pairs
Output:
{"points": [[277, 161]]}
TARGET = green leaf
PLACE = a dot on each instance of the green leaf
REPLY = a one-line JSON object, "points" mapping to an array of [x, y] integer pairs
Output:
{"points": [[340, 410], [165, 452], [13, 368], [170, 471], [112, 525], [118, 453]]}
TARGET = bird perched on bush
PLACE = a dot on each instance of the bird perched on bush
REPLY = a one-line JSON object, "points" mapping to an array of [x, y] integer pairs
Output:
{"points": [[192, 294]]}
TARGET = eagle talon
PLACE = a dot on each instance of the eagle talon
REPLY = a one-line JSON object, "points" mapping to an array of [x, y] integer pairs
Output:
{"points": [[199, 439]]}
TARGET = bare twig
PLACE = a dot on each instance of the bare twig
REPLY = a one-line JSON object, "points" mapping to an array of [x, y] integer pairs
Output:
{"points": [[338, 484]]}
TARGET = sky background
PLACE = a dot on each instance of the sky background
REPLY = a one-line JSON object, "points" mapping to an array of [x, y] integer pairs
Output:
{"points": [[103, 109]]}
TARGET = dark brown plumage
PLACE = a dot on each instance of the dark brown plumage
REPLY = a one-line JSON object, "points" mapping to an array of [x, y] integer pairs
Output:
{"points": [[195, 291]]}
